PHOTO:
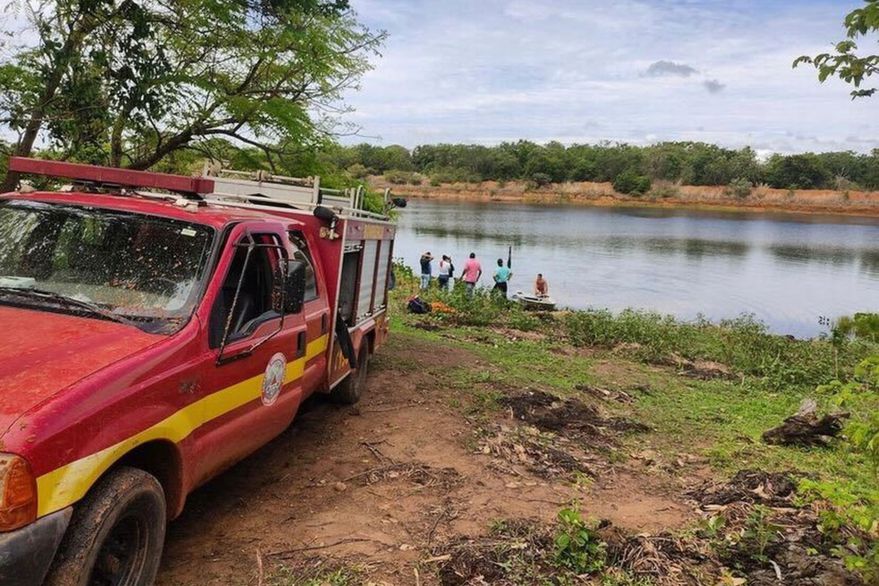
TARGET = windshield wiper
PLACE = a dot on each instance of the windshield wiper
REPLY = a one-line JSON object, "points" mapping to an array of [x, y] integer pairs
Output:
{"points": [[69, 301]]}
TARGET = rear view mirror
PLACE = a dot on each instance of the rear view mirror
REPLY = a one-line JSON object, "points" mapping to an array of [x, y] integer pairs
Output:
{"points": [[294, 286]]}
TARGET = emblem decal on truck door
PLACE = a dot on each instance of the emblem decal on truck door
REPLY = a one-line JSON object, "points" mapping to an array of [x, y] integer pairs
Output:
{"points": [[274, 379]]}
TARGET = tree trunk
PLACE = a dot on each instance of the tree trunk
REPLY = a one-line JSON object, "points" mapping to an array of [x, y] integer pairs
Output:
{"points": [[174, 143], [116, 138], [53, 81]]}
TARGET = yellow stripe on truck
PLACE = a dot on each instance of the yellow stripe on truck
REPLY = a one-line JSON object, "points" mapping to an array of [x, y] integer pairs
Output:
{"points": [[64, 486]]}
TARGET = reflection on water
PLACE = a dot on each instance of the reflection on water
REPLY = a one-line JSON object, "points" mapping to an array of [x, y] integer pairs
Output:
{"points": [[786, 270]]}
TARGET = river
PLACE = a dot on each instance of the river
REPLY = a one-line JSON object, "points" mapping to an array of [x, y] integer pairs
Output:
{"points": [[786, 270]]}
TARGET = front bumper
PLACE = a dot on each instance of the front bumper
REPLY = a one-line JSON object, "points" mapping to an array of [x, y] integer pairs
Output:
{"points": [[25, 554]]}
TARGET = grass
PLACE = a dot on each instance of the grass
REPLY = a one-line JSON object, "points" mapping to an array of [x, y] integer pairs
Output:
{"points": [[726, 418], [720, 420]]}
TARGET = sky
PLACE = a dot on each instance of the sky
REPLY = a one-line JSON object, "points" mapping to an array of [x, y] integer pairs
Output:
{"points": [[638, 71]]}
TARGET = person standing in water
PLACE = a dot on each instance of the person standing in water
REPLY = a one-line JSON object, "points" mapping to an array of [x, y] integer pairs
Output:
{"points": [[541, 287], [502, 276], [472, 273], [426, 259]]}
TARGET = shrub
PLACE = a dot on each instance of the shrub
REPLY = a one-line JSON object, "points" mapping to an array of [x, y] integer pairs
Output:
{"points": [[397, 177], [541, 179], [665, 190], [631, 183], [741, 188], [358, 171], [841, 183], [863, 326], [742, 343], [577, 546]]}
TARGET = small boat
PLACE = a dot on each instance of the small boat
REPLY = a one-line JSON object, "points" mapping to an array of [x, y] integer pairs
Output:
{"points": [[534, 302]]}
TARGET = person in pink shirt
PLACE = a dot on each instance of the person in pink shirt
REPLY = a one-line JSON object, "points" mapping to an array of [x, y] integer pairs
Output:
{"points": [[472, 273]]}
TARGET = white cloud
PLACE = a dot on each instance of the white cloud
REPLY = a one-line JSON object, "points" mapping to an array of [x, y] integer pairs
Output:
{"points": [[492, 70]]}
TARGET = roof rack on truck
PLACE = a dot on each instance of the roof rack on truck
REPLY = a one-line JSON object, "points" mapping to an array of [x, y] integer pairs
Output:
{"points": [[260, 187], [226, 187]]}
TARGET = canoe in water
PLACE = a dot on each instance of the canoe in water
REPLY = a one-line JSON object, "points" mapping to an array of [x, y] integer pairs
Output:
{"points": [[541, 303]]}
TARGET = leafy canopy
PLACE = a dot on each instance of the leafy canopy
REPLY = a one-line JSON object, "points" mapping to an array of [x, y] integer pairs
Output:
{"points": [[130, 83], [846, 63]]}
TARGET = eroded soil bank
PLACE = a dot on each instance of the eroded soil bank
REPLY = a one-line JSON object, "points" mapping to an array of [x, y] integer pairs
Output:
{"points": [[761, 199]]}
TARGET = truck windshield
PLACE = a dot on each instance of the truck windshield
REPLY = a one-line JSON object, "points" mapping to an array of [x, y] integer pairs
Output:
{"points": [[101, 263]]}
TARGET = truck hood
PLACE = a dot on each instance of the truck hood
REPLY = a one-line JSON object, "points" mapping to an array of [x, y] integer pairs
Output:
{"points": [[42, 353]]}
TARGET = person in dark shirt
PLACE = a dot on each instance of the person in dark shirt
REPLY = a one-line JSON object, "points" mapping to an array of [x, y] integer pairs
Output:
{"points": [[426, 259]]}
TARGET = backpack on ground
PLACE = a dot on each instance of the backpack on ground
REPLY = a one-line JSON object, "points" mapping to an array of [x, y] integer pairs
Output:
{"points": [[418, 305]]}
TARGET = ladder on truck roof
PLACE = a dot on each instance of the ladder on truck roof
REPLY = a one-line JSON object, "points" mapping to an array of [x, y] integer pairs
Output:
{"points": [[256, 189], [224, 187]]}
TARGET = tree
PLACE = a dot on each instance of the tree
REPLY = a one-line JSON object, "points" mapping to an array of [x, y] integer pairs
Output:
{"points": [[128, 83], [630, 183], [846, 63], [796, 172]]}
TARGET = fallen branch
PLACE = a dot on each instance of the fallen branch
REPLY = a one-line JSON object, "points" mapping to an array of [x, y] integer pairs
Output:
{"points": [[805, 428], [287, 552]]}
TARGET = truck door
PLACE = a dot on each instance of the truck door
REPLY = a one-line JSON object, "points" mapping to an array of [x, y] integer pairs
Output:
{"points": [[253, 366], [317, 315]]}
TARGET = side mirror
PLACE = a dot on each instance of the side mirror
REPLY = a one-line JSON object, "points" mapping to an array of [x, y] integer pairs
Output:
{"points": [[294, 285]]}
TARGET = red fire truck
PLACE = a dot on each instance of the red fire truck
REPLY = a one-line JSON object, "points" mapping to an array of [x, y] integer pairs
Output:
{"points": [[156, 330]]}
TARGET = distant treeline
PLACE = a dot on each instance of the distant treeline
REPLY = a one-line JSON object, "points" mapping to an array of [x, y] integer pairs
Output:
{"points": [[688, 163]]}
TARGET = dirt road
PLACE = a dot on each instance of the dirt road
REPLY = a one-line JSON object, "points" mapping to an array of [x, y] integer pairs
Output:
{"points": [[380, 485]]}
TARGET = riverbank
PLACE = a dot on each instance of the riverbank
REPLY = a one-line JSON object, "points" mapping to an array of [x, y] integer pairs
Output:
{"points": [[498, 447], [760, 199]]}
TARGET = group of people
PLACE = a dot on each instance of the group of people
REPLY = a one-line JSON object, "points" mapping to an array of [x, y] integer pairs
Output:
{"points": [[471, 274]]}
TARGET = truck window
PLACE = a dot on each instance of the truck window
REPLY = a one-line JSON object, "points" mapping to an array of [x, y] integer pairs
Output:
{"points": [[254, 304], [301, 252], [143, 269]]}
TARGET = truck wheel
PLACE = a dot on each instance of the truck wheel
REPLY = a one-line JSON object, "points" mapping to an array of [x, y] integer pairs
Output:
{"points": [[116, 535], [349, 390]]}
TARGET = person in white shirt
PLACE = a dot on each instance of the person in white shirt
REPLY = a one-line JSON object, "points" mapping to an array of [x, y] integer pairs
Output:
{"points": [[446, 278]]}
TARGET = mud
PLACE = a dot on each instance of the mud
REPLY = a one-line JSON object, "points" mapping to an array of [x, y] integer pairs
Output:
{"points": [[520, 451], [749, 486], [513, 546], [570, 418]]}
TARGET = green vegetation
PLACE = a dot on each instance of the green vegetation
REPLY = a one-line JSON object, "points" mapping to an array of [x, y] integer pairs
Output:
{"points": [[630, 168], [742, 346], [136, 84], [754, 380], [577, 547], [845, 63], [630, 183]]}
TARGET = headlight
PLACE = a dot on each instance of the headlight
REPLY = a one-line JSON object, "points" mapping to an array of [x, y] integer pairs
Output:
{"points": [[18, 493]]}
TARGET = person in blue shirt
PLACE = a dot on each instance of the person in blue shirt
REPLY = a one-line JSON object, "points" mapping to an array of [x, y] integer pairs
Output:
{"points": [[502, 276]]}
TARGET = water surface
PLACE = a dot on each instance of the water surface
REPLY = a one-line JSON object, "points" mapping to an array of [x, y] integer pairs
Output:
{"points": [[787, 270]]}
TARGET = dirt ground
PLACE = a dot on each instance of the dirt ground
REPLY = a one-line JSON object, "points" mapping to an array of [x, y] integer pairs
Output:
{"points": [[381, 485]]}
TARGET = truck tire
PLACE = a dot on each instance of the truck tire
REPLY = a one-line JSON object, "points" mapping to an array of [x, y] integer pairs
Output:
{"points": [[116, 534], [349, 390]]}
